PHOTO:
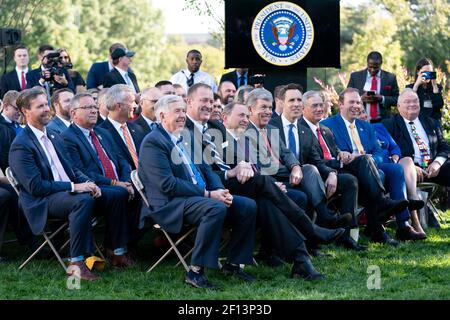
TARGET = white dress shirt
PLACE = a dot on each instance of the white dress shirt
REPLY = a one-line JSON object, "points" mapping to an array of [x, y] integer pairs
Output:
{"points": [[314, 130], [118, 128], [149, 122], [286, 124], [126, 79], [181, 78], [423, 135], [39, 134]]}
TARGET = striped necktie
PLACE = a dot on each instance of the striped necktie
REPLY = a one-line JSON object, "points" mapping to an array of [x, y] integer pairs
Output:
{"points": [[214, 154], [129, 143]]}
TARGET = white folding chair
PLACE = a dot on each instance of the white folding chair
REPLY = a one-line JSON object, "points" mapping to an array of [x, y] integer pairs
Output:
{"points": [[173, 245], [48, 236]]}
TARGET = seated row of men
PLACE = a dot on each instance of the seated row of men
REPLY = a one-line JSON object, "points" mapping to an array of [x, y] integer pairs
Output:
{"points": [[247, 174]]}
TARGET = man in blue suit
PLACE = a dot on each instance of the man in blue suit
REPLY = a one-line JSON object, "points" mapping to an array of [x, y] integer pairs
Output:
{"points": [[98, 70], [181, 191], [358, 138], [37, 77], [61, 103], [147, 119], [50, 186]]}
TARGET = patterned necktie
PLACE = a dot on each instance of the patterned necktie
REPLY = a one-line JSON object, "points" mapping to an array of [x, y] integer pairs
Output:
{"points": [[55, 160], [323, 145], [23, 83], [292, 143], [424, 152], [129, 143], [153, 126], [190, 81], [106, 163], [269, 147], [198, 177], [356, 140], [374, 105], [214, 154]]}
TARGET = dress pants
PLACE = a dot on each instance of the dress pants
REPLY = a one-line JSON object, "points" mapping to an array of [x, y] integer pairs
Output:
{"points": [[347, 188], [77, 208], [443, 178], [5, 205], [208, 215], [241, 216]]}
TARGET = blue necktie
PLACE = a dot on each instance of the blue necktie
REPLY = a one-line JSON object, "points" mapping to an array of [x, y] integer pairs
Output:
{"points": [[200, 182], [17, 127], [153, 126], [292, 143]]}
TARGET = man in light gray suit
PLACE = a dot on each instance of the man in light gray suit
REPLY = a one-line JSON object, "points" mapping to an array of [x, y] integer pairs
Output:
{"points": [[61, 104]]}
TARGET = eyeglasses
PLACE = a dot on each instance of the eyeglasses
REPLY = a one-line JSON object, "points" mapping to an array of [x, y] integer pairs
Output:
{"points": [[87, 107]]}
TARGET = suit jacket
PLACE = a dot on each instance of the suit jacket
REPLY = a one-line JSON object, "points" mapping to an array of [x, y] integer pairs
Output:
{"points": [[142, 124], [397, 128], [30, 166], [122, 148], [56, 125], [366, 134], [96, 74], [167, 182], [308, 151], [389, 89], [233, 77], [9, 81], [387, 143], [114, 77], [328, 137], [33, 77], [6, 138], [85, 158]]}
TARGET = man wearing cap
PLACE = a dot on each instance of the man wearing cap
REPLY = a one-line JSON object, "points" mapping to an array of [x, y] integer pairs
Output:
{"points": [[121, 58]]}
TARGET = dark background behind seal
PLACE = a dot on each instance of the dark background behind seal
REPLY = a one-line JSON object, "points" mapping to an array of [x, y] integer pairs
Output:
{"points": [[239, 50]]}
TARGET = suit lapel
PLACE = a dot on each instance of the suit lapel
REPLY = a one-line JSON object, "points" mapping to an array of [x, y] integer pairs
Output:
{"points": [[59, 148], [342, 129], [16, 80], [432, 137], [37, 144], [401, 127], [171, 146], [118, 138]]}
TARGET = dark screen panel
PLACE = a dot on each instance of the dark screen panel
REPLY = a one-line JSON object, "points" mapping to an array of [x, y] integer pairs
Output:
{"points": [[239, 50]]}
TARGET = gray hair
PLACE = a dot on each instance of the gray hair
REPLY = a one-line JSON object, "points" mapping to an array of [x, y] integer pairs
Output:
{"points": [[240, 93], [116, 94], [406, 90], [147, 91], [310, 94], [163, 105], [75, 101], [258, 94], [230, 106]]}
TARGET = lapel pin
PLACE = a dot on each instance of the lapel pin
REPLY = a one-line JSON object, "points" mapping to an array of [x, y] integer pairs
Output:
{"points": [[303, 131], [52, 136]]}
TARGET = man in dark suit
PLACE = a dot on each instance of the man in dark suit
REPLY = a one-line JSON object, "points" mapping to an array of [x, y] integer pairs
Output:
{"points": [[42, 77], [147, 119], [239, 77], [16, 79], [304, 145], [50, 186], [98, 70], [121, 74], [61, 103], [379, 86], [127, 136], [180, 189], [6, 138], [358, 139], [92, 151], [278, 161], [10, 114], [420, 138], [201, 132]]}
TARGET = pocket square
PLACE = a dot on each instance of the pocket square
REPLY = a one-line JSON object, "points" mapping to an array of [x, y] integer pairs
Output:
{"points": [[387, 88]]}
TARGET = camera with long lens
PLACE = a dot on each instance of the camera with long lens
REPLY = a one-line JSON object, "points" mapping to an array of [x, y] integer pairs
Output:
{"points": [[54, 66]]}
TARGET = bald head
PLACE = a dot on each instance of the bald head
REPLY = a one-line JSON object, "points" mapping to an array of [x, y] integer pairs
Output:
{"points": [[149, 97]]}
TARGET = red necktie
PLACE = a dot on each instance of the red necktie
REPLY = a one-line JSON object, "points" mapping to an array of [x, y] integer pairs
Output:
{"points": [[106, 163], [323, 145], [23, 83], [374, 105]]}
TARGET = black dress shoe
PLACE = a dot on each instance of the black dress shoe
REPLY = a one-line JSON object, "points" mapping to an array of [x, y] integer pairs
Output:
{"points": [[306, 271], [198, 280], [409, 233], [389, 207], [326, 236], [236, 271], [351, 244], [3, 259], [384, 238], [271, 260], [335, 221], [415, 204]]}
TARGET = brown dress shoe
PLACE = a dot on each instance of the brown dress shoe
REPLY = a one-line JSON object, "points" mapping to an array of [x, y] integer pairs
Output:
{"points": [[123, 261], [81, 271]]}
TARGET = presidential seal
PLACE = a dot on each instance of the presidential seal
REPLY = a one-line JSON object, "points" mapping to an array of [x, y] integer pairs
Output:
{"points": [[282, 33]]}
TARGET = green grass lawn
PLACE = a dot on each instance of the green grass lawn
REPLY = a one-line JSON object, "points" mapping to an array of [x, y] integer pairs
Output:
{"points": [[411, 271]]}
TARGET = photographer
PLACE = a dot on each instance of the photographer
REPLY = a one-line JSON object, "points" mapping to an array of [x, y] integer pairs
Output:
{"points": [[50, 74], [426, 87], [76, 77]]}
